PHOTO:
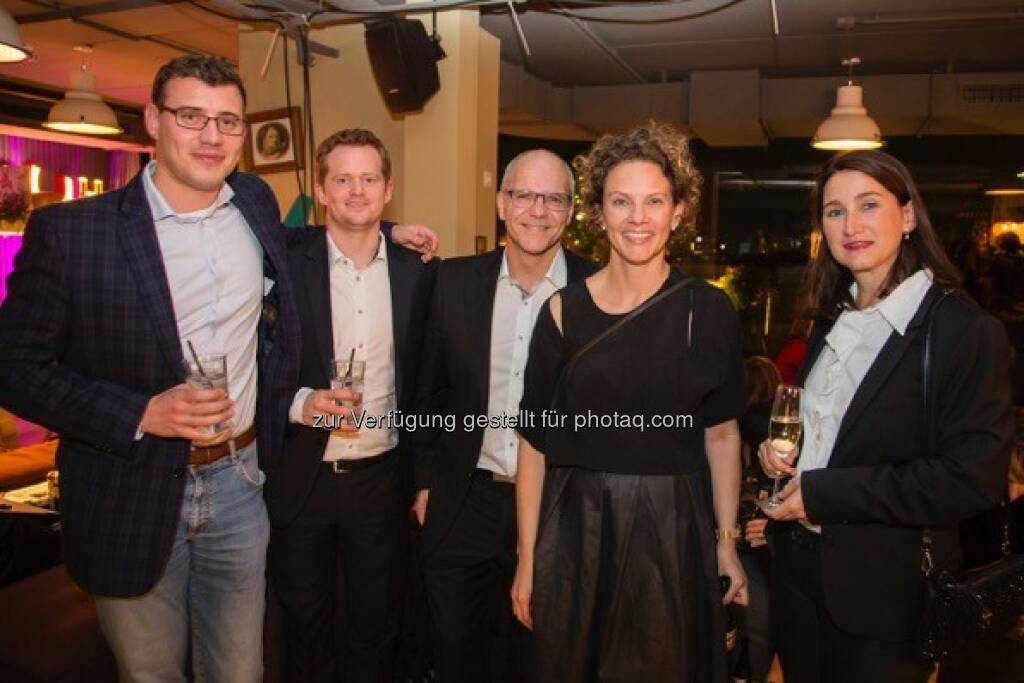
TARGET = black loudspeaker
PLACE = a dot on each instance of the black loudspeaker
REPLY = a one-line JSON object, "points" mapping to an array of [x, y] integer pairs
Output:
{"points": [[404, 61]]}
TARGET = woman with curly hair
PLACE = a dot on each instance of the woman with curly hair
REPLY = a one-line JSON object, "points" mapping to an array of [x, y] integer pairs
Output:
{"points": [[619, 563]]}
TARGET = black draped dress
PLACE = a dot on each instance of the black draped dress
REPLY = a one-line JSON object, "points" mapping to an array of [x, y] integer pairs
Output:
{"points": [[625, 574]]}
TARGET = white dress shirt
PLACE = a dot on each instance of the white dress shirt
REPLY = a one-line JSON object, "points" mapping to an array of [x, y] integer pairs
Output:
{"points": [[214, 267], [514, 314], [361, 320], [850, 349]]}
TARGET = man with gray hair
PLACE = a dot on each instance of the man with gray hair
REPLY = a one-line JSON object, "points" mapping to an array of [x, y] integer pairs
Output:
{"points": [[478, 337]]}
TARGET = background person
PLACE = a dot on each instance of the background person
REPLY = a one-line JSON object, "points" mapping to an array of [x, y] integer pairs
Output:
{"points": [[791, 355], [756, 646]]}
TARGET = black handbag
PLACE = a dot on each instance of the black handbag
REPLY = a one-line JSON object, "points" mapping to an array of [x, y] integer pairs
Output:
{"points": [[963, 607]]}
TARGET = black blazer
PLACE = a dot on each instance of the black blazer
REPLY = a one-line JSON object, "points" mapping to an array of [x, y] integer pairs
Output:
{"points": [[88, 335], [880, 487], [455, 380], [412, 283]]}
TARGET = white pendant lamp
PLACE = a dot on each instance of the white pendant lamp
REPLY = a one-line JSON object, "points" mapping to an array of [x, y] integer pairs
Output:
{"points": [[12, 47], [848, 127], [83, 110]]}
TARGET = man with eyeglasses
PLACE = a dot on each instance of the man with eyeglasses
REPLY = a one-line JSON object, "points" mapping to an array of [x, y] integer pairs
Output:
{"points": [[478, 337], [163, 520]]}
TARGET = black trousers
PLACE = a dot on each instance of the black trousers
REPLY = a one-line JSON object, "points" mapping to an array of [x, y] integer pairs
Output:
{"points": [[467, 578], [352, 520], [812, 649]]}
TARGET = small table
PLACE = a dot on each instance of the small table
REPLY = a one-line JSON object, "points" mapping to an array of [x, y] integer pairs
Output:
{"points": [[23, 467], [27, 465]]}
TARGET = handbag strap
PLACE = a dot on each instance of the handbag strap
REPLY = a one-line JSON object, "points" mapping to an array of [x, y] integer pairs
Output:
{"points": [[930, 433], [618, 324], [926, 364], [927, 563]]}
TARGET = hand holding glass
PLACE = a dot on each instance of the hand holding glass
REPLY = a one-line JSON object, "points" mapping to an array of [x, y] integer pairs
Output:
{"points": [[211, 372], [348, 377], [784, 430]]}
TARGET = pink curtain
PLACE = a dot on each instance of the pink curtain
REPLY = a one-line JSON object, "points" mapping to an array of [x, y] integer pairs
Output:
{"points": [[9, 246], [114, 167], [122, 167]]}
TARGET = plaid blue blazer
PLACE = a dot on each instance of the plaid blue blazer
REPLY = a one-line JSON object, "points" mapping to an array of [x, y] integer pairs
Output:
{"points": [[88, 335]]}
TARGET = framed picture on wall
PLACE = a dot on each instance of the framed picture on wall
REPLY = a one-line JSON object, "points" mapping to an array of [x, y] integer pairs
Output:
{"points": [[275, 141]]}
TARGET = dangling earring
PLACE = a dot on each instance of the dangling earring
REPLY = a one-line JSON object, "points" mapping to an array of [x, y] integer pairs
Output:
{"points": [[906, 235]]}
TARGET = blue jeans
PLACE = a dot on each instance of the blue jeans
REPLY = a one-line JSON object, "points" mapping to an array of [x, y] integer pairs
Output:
{"points": [[212, 590]]}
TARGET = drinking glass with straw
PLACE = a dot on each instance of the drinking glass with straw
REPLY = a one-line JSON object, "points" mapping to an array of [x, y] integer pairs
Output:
{"points": [[348, 376], [208, 371]]}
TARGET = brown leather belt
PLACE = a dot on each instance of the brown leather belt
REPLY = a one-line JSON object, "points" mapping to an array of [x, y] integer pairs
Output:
{"points": [[204, 455]]}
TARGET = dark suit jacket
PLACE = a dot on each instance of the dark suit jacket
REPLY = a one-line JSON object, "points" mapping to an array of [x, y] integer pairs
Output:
{"points": [[455, 380], [881, 487], [87, 336], [412, 283]]}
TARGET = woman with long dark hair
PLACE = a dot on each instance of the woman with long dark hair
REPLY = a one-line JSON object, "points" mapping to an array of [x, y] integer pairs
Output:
{"points": [[847, 583]]}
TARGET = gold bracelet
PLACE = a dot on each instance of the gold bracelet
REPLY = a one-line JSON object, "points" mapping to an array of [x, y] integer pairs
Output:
{"points": [[734, 534]]}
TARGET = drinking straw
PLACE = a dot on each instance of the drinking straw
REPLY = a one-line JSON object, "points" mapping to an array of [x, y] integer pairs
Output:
{"points": [[195, 357], [351, 360]]}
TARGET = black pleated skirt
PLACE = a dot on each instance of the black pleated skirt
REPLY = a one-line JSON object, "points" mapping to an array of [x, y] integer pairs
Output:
{"points": [[625, 581]]}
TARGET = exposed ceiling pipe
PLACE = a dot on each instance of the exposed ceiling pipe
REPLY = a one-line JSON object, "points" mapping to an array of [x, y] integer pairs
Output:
{"points": [[90, 10], [294, 6], [945, 18], [601, 45], [291, 27], [353, 8], [165, 42], [524, 47], [307, 13]]}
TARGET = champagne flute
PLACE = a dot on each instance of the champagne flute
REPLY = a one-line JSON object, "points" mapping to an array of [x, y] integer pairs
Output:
{"points": [[784, 430]]}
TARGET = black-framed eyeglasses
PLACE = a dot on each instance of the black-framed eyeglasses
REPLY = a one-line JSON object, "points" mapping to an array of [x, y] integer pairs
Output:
{"points": [[553, 201], [195, 119]]}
